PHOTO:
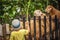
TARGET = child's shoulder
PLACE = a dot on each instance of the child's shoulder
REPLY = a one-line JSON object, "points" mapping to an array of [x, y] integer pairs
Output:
{"points": [[22, 29]]}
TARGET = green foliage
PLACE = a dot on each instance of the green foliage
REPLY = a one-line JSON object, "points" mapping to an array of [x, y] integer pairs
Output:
{"points": [[54, 3], [13, 8]]}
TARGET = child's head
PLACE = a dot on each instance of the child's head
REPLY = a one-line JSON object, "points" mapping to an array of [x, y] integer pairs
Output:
{"points": [[16, 24]]}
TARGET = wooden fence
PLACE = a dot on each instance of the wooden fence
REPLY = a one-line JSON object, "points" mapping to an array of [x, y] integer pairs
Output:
{"points": [[4, 31]]}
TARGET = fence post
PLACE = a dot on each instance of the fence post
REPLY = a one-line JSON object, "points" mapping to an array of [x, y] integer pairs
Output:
{"points": [[24, 22], [30, 38], [4, 31], [40, 28], [34, 27], [24, 25], [1, 33], [56, 26], [50, 26], [45, 27], [59, 28], [7, 31]]}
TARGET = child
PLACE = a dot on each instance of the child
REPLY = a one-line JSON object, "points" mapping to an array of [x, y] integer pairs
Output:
{"points": [[18, 33]]}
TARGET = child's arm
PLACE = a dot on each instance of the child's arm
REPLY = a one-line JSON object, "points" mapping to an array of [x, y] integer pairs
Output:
{"points": [[27, 28], [27, 31]]}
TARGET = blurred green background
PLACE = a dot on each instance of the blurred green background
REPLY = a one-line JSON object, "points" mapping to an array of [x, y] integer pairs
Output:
{"points": [[10, 9]]}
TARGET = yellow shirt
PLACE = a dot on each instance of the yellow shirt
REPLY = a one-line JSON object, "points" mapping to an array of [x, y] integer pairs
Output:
{"points": [[19, 35]]}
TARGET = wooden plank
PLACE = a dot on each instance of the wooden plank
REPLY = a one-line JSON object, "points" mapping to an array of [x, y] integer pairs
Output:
{"points": [[1, 33], [7, 29]]}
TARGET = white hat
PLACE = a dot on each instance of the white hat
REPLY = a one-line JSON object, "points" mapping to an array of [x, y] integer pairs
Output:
{"points": [[16, 24]]}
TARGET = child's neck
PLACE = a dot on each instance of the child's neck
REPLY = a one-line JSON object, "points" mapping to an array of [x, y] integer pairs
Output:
{"points": [[17, 30]]}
